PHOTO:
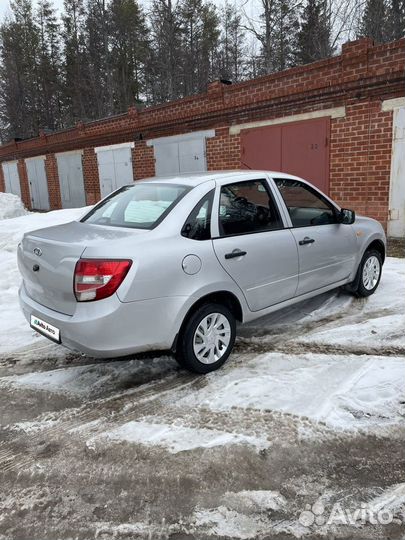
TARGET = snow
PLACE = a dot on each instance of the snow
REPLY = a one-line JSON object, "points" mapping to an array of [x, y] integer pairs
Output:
{"points": [[11, 206], [254, 501], [91, 379], [15, 333], [176, 438], [345, 392], [392, 499], [381, 320], [373, 332], [223, 522]]}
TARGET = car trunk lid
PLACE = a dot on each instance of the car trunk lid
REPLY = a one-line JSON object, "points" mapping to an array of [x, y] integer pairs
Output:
{"points": [[47, 260]]}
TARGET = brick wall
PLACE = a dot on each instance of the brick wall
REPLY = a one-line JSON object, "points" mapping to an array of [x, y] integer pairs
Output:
{"points": [[143, 160], [2, 181], [360, 158], [90, 176], [223, 150], [360, 143], [25, 190], [51, 169]]}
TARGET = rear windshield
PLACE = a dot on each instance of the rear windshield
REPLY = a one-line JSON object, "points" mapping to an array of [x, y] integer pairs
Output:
{"points": [[140, 206]]}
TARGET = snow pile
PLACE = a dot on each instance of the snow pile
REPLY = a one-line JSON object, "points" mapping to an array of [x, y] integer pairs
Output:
{"points": [[15, 332], [11, 206]]}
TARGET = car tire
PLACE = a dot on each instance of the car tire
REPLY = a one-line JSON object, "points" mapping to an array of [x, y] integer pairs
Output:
{"points": [[206, 339], [369, 273]]}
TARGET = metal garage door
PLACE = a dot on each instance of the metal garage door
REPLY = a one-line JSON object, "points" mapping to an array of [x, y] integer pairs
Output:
{"points": [[181, 153], [396, 223], [38, 183], [114, 168], [71, 180], [299, 148], [11, 177]]}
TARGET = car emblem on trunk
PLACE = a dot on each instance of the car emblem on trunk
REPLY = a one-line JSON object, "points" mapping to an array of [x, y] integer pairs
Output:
{"points": [[38, 251]]}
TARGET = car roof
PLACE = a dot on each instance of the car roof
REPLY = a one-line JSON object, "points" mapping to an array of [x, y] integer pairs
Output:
{"points": [[195, 179]]}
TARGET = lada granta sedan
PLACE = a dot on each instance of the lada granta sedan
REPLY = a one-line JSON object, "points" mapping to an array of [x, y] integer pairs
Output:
{"points": [[173, 263]]}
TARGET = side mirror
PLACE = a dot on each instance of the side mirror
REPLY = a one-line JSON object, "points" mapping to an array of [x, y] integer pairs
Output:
{"points": [[346, 216]]}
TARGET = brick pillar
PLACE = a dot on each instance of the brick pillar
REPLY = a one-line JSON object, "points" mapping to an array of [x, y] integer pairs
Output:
{"points": [[25, 189], [51, 169], [2, 181], [90, 176], [223, 150], [143, 160]]}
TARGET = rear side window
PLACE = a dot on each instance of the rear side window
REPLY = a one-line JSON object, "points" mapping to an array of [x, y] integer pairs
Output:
{"points": [[305, 205], [141, 206], [198, 223], [247, 207]]}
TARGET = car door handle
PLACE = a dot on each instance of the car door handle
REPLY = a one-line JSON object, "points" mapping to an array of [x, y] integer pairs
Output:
{"points": [[306, 240], [235, 253]]}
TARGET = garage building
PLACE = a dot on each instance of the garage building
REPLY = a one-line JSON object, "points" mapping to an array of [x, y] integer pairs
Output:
{"points": [[339, 122]]}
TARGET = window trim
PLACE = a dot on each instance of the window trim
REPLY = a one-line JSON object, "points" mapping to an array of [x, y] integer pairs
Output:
{"points": [[313, 190], [216, 206], [210, 195]]}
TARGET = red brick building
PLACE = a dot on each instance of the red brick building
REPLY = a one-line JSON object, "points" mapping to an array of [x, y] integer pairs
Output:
{"points": [[339, 122]]}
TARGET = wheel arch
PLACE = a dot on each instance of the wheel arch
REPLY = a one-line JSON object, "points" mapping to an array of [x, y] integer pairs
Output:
{"points": [[227, 298], [377, 245]]}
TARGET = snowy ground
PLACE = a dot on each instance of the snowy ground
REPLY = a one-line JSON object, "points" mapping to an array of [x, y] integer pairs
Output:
{"points": [[301, 434]]}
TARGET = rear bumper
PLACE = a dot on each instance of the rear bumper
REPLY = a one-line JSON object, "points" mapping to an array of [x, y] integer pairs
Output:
{"points": [[109, 328]]}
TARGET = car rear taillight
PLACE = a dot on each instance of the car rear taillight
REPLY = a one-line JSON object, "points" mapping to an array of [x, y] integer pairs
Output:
{"points": [[96, 279]]}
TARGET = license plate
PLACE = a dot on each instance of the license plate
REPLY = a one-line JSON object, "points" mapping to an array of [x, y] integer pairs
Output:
{"points": [[45, 328]]}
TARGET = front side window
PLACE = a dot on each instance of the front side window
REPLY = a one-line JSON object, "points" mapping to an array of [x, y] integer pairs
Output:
{"points": [[247, 207], [306, 207], [141, 206], [198, 223]]}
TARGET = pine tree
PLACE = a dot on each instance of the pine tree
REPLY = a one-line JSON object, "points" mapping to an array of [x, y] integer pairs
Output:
{"points": [[97, 38], [199, 43], [314, 37], [232, 62], [75, 66], [163, 78], [19, 88], [278, 35], [374, 20], [395, 20], [129, 52], [49, 66]]}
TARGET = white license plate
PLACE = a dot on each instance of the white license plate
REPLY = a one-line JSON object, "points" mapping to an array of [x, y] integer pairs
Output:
{"points": [[45, 328]]}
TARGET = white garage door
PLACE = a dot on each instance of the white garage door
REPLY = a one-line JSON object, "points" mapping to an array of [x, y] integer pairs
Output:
{"points": [[38, 183], [180, 153], [396, 223], [71, 179], [114, 167], [11, 177]]}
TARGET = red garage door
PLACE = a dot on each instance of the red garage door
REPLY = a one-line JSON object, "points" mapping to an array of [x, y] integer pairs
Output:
{"points": [[299, 148]]}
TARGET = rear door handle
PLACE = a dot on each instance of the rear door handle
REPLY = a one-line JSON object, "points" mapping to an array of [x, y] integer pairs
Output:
{"points": [[235, 253], [306, 240]]}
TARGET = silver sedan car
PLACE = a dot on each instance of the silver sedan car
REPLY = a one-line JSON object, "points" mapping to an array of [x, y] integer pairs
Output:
{"points": [[173, 263]]}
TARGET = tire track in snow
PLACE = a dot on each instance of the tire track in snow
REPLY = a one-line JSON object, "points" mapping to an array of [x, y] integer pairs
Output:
{"points": [[147, 401]]}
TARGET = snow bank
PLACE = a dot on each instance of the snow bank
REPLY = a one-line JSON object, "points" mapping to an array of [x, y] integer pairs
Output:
{"points": [[11, 206], [15, 332]]}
